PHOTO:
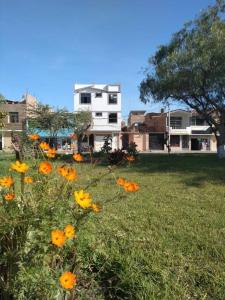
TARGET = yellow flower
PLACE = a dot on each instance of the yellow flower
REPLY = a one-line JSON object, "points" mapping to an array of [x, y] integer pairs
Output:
{"points": [[58, 237], [130, 158], [120, 181], [69, 231], [45, 167], [44, 146], [131, 187], [69, 173], [83, 199], [28, 179], [68, 280], [19, 167], [6, 181], [51, 153], [96, 207], [78, 157], [33, 137], [9, 196]]}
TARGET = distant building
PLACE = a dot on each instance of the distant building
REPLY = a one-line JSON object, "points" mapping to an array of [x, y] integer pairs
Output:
{"points": [[15, 121], [104, 103], [186, 130]]}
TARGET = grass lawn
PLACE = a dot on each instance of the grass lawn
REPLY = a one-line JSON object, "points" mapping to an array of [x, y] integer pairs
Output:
{"points": [[167, 241]]}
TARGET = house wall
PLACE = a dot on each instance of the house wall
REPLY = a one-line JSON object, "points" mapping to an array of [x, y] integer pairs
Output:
{"points": [[100, 105]]}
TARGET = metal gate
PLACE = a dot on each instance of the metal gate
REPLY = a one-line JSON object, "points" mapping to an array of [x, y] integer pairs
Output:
{"points": [[156, 141]]}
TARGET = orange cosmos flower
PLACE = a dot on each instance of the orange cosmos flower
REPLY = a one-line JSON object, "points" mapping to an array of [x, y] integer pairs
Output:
{"points": [[69, 231], [33, 137], [78, 157], [83, 199], [96, 207], [9, 196], [131, 187], [28, 179], [44, 146], [68, 280], [19, 167], [45, 167], [69, 173], [58, 237], [51, 153], [6, 181], [120, 181], [130, 158]]}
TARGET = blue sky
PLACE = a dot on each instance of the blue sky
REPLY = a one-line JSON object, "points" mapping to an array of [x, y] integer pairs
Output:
{"points": [[48, 45]]}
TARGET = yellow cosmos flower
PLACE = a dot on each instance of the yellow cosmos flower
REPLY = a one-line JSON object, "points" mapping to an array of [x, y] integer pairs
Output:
{"points": [[78, 157], [28, 179], [19, 167], [9, 196], [6, 181], [58, 237], [69, 231], [120, 181], [69, 173], [45, 167], [131, 187], [96, 207], [83, 199], [51, 153], [34, 137], [68, 280], [44, 146]]}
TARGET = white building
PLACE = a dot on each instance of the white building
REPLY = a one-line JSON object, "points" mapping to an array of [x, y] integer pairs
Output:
{"points": [[104, 102]]}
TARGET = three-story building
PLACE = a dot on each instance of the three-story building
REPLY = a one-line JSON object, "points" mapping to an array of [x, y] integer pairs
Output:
{"points": [[104, 103]]}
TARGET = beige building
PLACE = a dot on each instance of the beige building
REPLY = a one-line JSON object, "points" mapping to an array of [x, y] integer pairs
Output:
{"points": [[15, 121]]}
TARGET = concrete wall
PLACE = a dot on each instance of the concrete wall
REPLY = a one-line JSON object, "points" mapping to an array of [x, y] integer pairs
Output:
{"points": [[100, 105]]}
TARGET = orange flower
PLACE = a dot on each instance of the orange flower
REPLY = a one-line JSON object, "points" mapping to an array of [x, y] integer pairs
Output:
{"points": [[69, 231], [130, 158], [45, 167], [34, 137], [44, 146], [83, 199], [69, 173], [120, 181], [9, 196], [96, 207], [68, 280], [51, 153], [6, 181], [58, 237], [131, 186], [78, 157], [19, 167], [28, 179]]}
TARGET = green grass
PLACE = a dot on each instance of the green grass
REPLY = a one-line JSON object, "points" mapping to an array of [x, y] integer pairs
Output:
{"points": [[167, 241]]}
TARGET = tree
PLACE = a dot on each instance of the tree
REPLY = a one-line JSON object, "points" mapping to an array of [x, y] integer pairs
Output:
{"points": [[190, 69], [3, 114], [53, 121]]}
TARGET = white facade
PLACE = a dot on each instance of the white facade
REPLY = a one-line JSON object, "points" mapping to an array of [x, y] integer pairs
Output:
{"points": [[189, 132], [104, 102]]}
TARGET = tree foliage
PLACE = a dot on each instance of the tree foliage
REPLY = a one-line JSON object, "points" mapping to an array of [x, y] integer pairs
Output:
{"points": [[3, 114], [191, 69], [44, 118]]}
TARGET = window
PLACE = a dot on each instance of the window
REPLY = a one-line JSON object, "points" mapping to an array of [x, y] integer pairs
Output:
{"points": [[112, 117], [13, 117], [85, 98], [197, 121], [98, 114], [112, 98], [175, 141], [176, 122], [98, 95]]}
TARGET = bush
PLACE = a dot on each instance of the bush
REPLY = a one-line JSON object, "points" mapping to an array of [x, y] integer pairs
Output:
{"points": [[42, 212]]}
